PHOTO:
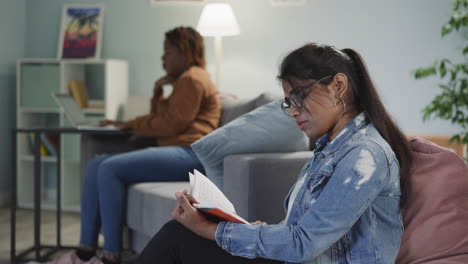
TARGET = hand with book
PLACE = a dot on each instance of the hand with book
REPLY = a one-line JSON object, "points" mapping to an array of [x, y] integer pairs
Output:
{"points": [[185, 213], [200, 210]]}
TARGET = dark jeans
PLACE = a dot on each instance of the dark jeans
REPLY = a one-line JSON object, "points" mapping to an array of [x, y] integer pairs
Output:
{"points": [[176, 244]]}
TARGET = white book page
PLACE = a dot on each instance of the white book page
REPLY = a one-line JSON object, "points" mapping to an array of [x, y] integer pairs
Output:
{"points": [[207, 193], [192, 183]]}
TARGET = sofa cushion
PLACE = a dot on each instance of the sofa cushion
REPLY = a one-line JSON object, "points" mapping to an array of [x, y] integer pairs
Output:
{"points": [[233, 108], [264, 130], [435, 219], [149, 205]]}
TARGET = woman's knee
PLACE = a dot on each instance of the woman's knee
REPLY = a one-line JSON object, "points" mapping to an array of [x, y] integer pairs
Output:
{"points": [[171, 231], [163, 246], [93, 166], [94, 163], [171, 226], [166, 236], [107, 172]]}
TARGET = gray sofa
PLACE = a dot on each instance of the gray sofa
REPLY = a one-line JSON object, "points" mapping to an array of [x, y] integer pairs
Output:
{"points": [[255, 183]]}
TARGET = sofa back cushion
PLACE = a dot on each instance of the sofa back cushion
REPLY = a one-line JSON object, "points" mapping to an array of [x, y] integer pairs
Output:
{"points": [[137, 105], [436, 218], [233, 108], [264, 130]]}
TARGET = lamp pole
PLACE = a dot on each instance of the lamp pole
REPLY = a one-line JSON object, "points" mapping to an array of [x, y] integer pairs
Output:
{"points": [[218, 45], [217, 20]]}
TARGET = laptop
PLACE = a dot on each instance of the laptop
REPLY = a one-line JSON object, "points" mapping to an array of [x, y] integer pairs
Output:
{"points": [[75, 113]]}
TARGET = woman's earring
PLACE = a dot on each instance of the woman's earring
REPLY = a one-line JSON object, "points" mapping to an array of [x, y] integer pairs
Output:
{"points": [[344, 104]]}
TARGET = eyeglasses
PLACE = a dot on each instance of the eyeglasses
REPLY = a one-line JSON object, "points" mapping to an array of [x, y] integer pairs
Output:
{"points": [[297, 96]]}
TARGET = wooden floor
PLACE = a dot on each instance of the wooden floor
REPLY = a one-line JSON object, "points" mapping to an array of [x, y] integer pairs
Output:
{"points": [[25, 230]]}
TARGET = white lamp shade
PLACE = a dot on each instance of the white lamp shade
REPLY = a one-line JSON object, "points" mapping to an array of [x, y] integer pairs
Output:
{"points": [[217, 19]]}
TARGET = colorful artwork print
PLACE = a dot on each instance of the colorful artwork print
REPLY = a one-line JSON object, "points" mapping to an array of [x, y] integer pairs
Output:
{"points": [[81, 28]]}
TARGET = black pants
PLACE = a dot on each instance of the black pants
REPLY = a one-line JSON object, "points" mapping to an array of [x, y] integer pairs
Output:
{"points": [[176, 244]]}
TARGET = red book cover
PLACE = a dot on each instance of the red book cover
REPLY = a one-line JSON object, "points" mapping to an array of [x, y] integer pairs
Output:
{"points": [[211, 200], [221, 214]]}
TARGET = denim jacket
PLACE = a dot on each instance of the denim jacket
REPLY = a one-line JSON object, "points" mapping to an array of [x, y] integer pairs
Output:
{"points": [[347, 210]]}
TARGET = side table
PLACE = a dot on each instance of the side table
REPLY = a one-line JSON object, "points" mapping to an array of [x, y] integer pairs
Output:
{"points": [[38, 247]]}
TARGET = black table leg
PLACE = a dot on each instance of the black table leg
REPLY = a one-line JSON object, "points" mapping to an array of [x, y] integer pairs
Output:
{"points": [[37, 195], [13, 199], [59, 188]]}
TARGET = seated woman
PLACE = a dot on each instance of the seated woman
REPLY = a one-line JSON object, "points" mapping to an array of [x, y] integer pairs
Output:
{"points": [[190, 112], [345, 205]]}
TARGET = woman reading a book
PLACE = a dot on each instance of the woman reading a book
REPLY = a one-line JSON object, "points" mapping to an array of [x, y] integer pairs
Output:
{"points": [[345, 205], [190, 112]]}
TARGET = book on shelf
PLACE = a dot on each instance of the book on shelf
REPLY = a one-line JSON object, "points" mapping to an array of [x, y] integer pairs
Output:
{"points": [[50, 143], [211, 200], [79, 92], [42, 148]]}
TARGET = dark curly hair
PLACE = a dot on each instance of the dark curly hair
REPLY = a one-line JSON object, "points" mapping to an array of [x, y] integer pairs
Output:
{"points": [[188, 41]]}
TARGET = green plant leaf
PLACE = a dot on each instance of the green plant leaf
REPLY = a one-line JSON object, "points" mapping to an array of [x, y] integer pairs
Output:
{"points": [[451, 103], [444, 87], [461, 67], [447, 28], [464, 85], [424, 72], [465, 139], [453, 75], [442, 69], [455, 138]]}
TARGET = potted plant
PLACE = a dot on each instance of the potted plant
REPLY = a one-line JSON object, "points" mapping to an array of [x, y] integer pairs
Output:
{"points": [[452, 101]]}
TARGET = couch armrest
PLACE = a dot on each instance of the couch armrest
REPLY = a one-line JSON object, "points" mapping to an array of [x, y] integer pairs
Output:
{"points": [[258, 183]]}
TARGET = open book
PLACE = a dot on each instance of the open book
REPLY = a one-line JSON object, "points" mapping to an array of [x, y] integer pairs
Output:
{"points": [[212, 200]]}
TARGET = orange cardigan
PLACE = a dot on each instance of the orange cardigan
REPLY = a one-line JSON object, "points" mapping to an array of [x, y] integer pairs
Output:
{"points": [[189, 113]]}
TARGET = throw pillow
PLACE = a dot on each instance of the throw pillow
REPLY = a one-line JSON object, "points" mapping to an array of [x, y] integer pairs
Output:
{"points": [[264, 130], [233, 108]]}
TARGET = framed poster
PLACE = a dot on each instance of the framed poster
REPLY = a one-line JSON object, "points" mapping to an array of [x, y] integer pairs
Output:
{"points": [[80, 31]]}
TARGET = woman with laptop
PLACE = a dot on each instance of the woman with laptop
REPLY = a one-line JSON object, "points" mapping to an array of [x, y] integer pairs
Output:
{"points": [[190, 112]]}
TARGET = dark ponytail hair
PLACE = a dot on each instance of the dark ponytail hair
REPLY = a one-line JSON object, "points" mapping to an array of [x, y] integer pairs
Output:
{"points": [[314, 61]]}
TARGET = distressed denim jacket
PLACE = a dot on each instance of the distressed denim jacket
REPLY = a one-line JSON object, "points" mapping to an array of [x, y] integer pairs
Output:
{"points": [[347, 210]]}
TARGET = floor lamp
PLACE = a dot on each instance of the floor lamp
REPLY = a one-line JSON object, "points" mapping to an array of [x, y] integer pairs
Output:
{"points": [[218, 20]]}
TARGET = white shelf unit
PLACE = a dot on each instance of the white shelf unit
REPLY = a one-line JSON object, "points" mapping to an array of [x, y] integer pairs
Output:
{"points": [[107, 85]]}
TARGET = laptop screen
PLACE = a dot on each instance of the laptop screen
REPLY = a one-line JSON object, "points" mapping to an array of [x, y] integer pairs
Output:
{"points": [[72, 110]]}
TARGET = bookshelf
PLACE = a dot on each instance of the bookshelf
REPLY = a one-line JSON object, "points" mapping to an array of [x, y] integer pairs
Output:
{"points": [[106, 81]]}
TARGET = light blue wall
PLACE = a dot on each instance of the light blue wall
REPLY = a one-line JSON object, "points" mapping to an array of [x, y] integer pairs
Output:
{"points": [[12, 29], [394, 37]]}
